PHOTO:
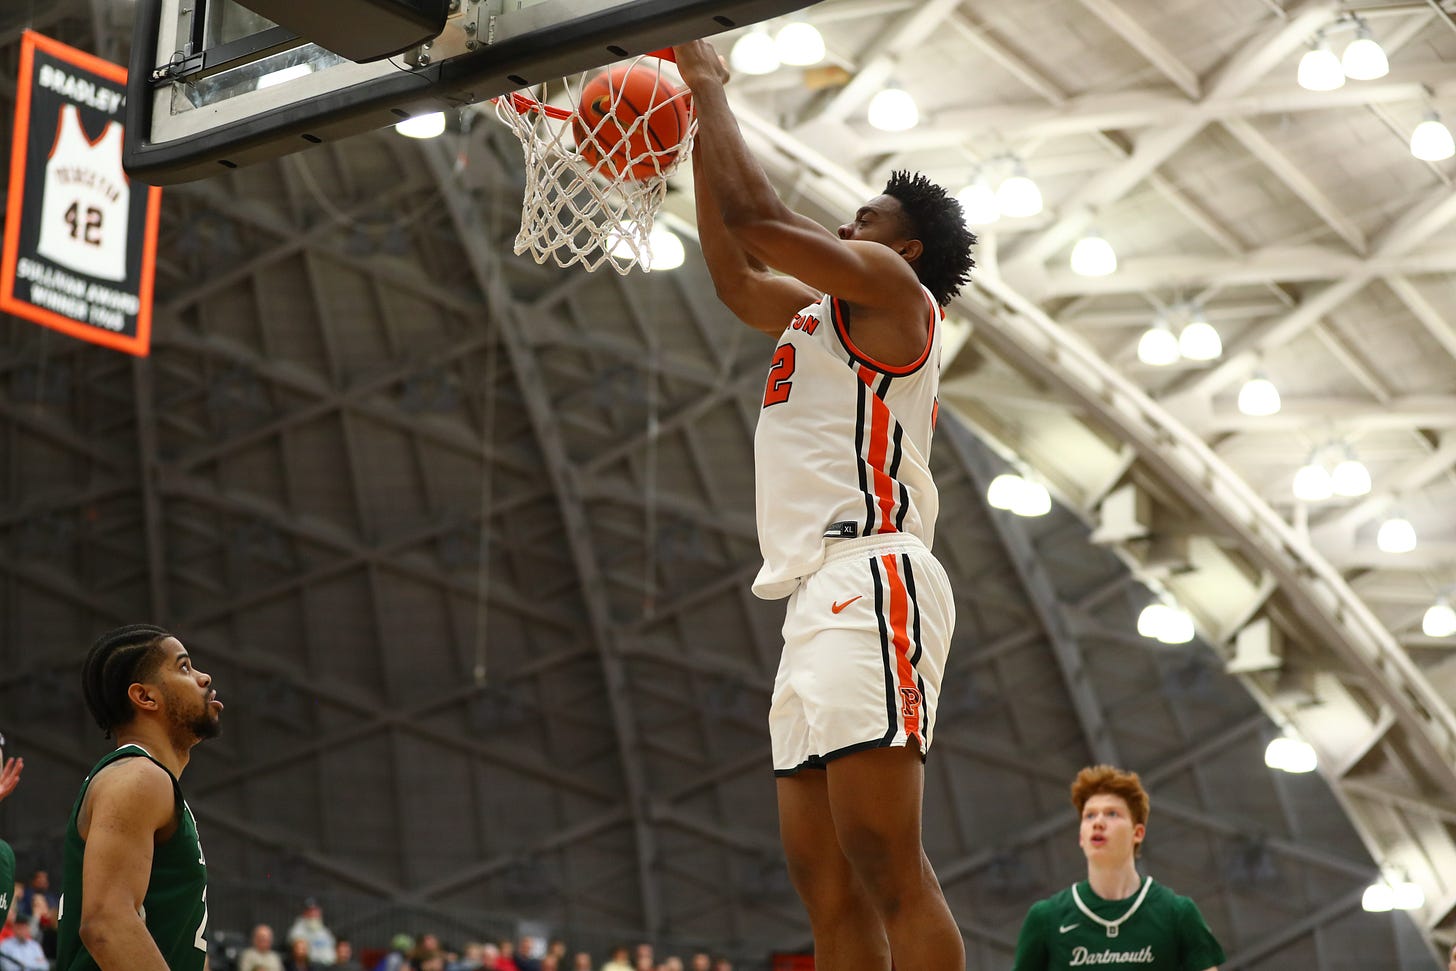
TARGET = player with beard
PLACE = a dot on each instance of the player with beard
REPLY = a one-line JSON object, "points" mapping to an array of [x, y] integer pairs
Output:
{"points": [[135, 876], [1116, 919]]}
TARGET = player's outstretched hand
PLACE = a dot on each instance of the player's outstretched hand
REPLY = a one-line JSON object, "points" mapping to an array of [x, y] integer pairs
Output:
{"points": [[699, 63], [10, 776]]}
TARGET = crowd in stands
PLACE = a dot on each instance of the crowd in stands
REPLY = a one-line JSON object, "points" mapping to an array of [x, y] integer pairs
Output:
{"points": [[28, 943], [311, 945]]}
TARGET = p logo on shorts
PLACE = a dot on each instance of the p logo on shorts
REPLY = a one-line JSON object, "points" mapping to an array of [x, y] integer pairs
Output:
{"points": [[909, 701]]}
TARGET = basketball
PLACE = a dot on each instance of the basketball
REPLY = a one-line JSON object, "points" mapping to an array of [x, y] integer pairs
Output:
{"points": [[631, 122]]}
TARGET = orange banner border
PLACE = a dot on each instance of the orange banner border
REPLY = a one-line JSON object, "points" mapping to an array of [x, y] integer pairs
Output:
{"points": [[140, 344]]}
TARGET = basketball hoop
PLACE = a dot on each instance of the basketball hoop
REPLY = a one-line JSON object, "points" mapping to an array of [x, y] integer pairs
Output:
{"points": [[599, 148]]}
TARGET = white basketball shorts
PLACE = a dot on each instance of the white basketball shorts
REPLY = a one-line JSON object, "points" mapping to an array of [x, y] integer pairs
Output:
{"points": [[865, 644]]}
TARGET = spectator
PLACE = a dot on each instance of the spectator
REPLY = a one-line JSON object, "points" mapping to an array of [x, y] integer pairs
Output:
{"points": [[507, 959], [526, 950], [397, 959], [701, 962], [581, 962], [619, 960], [472, 960], [644, 963], [557, 949], [344, 956], [37, 905], [310, 927], [489, 956], [434, 961], [549, 963], [722, 964], [259, 954], [644, 952], [21, 950], [298, 956], [671, 963]]}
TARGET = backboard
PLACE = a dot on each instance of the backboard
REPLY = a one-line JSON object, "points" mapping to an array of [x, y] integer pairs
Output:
{"points": [[214, 86]]}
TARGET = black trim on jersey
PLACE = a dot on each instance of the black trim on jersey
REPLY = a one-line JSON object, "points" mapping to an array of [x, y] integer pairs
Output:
{"points": [[839, 312], [884, 388], [862, 462], [925, 713], [886, 647], [904, 505]]}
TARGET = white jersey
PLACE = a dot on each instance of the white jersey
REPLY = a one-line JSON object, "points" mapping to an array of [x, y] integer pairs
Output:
{"points": [[842, 448], [87, 200]]}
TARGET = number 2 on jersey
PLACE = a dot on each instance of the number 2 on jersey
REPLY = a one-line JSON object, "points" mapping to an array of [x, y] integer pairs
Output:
{"points": [[780, 376], [90, 232]]}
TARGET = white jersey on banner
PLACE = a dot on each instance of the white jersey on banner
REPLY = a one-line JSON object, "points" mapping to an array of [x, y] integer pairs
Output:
{"points": [[842, 448], [87, 200]]}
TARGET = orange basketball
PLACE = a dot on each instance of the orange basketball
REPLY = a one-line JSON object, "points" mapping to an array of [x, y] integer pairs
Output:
{"points": [[620, 127]]}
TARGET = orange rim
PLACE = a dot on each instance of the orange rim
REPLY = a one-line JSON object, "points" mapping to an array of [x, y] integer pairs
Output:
{"points": [[524, 102]]}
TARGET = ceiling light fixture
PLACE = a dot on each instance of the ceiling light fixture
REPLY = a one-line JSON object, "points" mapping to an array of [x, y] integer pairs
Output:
{"points": [[1094, 256], [1320, 69], [1290, 754], [1350, 477], [1312, 481], [799, 43], [1018, 196], [1258, 397], [892, 109], [1158, 347], [754, 52], [1431, 141], [1199, 341], [1364, 58], [978, 203], [1440, 619], [1396, 535]]}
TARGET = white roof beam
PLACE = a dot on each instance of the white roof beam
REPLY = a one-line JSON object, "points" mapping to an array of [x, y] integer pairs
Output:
{"points": [[1346, 414], [1432, 319], [1283, 264], [1156, 147], [880, 59], [1152, 108], [1297, 181], [1409, 230], [1138, 37]]}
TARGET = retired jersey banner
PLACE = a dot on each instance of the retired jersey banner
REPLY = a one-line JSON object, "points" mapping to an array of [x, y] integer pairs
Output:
{"points": [[80, 238]]}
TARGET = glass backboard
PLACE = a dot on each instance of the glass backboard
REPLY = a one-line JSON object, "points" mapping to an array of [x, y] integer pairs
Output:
{"points": [[214, 86]]}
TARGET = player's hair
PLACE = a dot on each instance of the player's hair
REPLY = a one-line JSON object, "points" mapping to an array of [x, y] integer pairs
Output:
{"points": [[1108, 780], [119, 659], [936, 219]]}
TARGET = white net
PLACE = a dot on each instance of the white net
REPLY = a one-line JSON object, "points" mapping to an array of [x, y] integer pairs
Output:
{"points": [[599, 150]]}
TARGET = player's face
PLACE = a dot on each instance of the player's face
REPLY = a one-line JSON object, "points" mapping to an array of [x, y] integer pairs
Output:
{"points": [[881, 220], [192, 703], [1108, 834]]}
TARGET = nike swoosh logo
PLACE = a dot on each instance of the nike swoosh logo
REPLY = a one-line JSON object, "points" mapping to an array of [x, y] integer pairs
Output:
{"points": [[838, 607], [1063, 930]]}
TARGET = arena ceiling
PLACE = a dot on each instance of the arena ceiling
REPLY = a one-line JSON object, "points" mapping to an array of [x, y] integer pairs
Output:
{"points": [[466, 541]]}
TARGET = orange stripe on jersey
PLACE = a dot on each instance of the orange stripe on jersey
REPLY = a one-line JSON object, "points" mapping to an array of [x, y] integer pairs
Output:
{"points": [[840, 312], [900, 637], [879, 449]]}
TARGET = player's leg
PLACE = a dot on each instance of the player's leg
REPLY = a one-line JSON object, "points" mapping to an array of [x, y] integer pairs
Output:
{"points": [[847, 932], [875, 799]]}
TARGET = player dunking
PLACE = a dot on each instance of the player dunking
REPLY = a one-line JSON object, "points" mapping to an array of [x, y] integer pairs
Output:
{"points": [[846, 514], [1115, 919], [135, 877]]}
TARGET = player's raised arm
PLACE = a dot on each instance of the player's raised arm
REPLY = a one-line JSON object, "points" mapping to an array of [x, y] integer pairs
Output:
{"points": [[862, 273], [127, 806], [744, 284]]}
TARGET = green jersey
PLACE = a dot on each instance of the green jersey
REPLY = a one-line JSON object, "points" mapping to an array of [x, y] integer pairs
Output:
{"points": [[1153, 930], [175, 905], [7, 880]]}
